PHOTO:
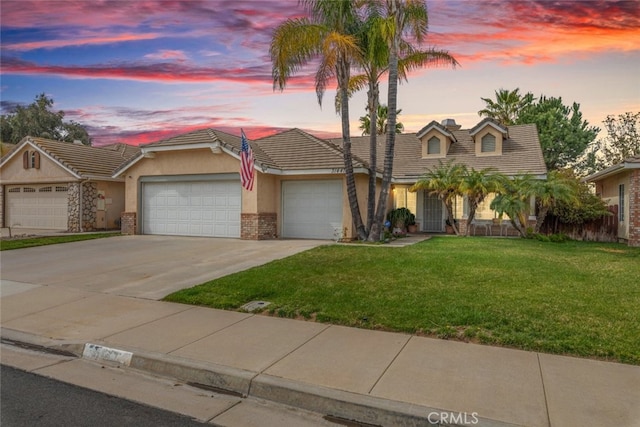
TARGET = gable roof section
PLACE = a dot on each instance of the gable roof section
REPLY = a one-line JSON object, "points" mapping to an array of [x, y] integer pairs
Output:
{"points": [[628, 163], [82, 161], [296, 150], [488, 122], [435, 125]]}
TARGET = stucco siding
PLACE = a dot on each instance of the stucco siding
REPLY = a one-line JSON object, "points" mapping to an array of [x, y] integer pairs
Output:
{"points": [[14, 173], [609, 189], [113, 203]]}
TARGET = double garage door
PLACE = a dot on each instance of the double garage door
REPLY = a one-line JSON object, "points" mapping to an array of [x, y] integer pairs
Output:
{"points": [[192, 208], [37, 206]]}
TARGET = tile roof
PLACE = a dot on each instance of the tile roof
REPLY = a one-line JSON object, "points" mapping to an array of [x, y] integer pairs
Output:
{"points": [[84, 160], [296, 150], [521, 152]]}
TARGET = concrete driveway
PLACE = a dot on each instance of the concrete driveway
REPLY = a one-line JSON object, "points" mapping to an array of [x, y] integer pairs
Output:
{"points": [[148, 267]]}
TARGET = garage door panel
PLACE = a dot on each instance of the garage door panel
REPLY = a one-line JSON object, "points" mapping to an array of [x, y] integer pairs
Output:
{"points": [[311, 208], [37, 206], [192, 208]]}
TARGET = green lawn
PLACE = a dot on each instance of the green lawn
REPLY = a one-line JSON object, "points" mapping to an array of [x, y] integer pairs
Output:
{"points": [[569, 298], [6, 245]]}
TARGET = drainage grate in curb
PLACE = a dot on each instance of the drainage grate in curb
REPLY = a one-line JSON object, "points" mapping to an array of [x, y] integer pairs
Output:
{"points": [[255, 305]]}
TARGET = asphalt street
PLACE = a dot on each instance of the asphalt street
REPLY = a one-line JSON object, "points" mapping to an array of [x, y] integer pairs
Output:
{"points": [[33, 400]]}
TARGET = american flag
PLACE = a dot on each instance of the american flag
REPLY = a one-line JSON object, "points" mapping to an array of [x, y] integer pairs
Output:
{"points": [[246, 164]]}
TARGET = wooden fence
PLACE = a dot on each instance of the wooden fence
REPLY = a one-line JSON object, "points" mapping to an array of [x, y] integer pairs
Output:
{"points": [[603, 229]]}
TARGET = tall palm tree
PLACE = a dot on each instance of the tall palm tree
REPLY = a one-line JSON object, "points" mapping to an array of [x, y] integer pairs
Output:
{"points": [[507, 106], [402, 17], [476, 185], [381, 122], [444, 182], [327, 35]]}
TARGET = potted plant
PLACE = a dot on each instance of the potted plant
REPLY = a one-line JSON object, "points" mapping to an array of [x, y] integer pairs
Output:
{"points": [[399, 219], [412, 226]]}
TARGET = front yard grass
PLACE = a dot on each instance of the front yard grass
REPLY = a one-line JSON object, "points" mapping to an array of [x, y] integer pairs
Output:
{"points": [[572, 298], [6, 245]]}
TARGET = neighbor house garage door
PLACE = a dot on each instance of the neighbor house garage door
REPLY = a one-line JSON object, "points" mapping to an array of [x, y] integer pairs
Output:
{"points": [[192, 208], [37, 206], [311, 209]]}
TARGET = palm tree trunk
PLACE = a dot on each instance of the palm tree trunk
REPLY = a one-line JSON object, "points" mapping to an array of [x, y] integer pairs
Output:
{"points": [[542, 214], [392, 102], [342, 71], [373, 101]]}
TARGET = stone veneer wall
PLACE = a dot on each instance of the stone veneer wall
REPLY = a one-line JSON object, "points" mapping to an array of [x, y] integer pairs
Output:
{"points": [[89, 206], [73, 207], [634, 208], [261, 226], [82, 218], [128, 223]]}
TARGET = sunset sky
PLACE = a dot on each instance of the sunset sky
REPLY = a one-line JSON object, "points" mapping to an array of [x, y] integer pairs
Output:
{"points": [[140, 71]]}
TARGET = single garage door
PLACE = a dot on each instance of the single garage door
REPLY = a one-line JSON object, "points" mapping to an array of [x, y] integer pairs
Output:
{"points": [[311, 209], [37, 206], [196, 208]]}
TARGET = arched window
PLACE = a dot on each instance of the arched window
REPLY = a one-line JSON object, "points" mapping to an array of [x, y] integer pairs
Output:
{"points": [[488, 144], [433, 145]]}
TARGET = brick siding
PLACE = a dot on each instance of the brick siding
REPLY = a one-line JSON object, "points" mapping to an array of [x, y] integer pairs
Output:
{"points": [[261, 226], [128, 223], [634, 208]]}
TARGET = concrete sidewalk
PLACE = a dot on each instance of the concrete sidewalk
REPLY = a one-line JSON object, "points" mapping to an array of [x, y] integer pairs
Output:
{"points": [[375, 377]]}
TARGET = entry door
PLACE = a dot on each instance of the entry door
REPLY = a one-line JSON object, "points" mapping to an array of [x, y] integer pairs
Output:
{"points": [[433, 214]]}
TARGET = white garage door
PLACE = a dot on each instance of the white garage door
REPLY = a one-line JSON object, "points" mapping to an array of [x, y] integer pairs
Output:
{"points": [[209, 208], [37, 206], [311, 209]]}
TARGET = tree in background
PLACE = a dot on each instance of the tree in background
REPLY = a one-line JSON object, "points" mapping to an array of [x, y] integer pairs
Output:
{"points": [[622, 141], [39, 120], [564, 135], [507, 107], [381, 122]]}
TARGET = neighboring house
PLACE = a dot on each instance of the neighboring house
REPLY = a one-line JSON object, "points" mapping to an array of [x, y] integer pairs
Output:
{"points": [[619, 185], [190, 184], [56, 185]]}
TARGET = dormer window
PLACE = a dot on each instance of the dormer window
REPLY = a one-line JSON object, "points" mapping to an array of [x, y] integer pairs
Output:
{"points": [[488, 144], [433, 145]]}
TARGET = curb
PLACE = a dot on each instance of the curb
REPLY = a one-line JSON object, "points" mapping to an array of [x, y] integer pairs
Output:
{"points": [[354, 408]]}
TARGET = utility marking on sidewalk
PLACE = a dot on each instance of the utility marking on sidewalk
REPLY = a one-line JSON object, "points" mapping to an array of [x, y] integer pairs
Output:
{"points": [[98, 352]]}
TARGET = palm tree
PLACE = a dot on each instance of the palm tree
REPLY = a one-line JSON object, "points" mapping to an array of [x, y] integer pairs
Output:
{"points": [[476, 185], [381, 122], [327, 35], [402, 17], [444, 182], [374, 43], [558, 187], [513, 199], [507, 106]]}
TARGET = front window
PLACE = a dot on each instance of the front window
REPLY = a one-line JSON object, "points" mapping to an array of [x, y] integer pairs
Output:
{"points": [[433, 145], [488, 144]]}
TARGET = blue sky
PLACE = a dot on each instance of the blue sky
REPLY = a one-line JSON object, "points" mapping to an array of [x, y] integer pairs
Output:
{"points": [[139, 71]]}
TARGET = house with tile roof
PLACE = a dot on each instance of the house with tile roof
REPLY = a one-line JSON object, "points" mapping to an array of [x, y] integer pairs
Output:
{"points": [[619, 186], [190, 184], [55, 185]]}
